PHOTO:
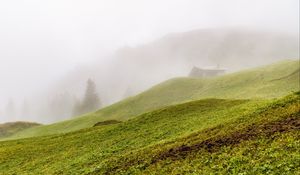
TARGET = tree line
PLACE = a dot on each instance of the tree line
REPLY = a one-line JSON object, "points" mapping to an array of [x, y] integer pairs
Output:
{"points": [[57, 107]]}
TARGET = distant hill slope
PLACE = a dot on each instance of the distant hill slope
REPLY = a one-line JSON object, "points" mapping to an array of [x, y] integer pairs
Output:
{"points": [[8, 129], [270, 81], [211, 136], [134, 69]]}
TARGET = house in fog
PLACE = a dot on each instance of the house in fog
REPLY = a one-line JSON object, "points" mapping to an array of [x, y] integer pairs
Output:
{"points": [[206, 73]]}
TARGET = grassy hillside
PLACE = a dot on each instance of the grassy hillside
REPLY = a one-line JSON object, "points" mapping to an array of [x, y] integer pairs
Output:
{"points": [[200, 137], [270, 81], [8, 129]]}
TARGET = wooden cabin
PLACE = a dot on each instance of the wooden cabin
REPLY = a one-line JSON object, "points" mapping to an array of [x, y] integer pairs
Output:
{"points": [[206, 73]]}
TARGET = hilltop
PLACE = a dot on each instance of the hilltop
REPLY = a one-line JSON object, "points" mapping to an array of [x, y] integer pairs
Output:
{"points": [[10, 128], [264, 82], [208, 136]]}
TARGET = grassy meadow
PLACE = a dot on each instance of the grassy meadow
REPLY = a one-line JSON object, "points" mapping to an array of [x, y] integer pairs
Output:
{"points": [[205, 136]]}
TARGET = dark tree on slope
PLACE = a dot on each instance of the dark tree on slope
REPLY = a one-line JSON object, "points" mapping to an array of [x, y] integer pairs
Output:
{"points": [[91, 99], [90, 102]]}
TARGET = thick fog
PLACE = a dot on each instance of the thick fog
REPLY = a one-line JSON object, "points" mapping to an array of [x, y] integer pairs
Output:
{"points": [[50, 48]]}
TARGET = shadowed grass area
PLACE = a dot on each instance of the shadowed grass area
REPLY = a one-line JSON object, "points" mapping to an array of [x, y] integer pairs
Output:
{"points": [[270, 81], [205, 136]]}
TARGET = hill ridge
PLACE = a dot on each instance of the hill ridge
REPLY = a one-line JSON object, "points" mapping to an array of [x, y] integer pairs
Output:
{"points": [[251, 83]]}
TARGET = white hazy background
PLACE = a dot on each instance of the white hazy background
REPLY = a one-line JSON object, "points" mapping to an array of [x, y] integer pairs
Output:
{"points": [[42, 41]]}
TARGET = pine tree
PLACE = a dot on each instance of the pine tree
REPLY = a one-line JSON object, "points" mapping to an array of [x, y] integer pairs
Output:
{"points": [[90, 102], [91, 99]]}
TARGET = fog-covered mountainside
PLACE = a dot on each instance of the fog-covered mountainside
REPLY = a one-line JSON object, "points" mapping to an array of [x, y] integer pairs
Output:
{"points": [[130, 70], [265, 82], [133, 69]]}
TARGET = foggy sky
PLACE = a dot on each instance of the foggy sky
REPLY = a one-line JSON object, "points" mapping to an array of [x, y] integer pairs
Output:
{"points": [[41, 41]]}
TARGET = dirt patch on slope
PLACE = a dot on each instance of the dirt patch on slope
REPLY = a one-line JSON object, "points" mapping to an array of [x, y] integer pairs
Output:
{"points": [[250, 132]]}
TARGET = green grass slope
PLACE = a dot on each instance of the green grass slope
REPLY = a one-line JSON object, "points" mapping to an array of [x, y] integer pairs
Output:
{"points": [[270, 81], [8, 129], [212, 136]]}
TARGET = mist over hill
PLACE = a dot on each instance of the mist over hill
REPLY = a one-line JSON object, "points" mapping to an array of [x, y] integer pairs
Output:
{"points": [[149, 87], [133, 69]]}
